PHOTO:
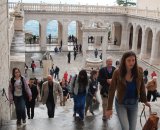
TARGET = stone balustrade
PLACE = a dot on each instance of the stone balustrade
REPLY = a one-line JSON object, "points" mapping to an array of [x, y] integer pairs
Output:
{"points": [[155, 14], [11, 29]]}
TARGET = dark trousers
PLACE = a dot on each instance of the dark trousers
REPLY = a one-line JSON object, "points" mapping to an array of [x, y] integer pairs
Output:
{"points": [[89, 103], [56, 75], [151, 93], [30, 106], [33, 70], [51, 108], [69, 60], [20, 108]]}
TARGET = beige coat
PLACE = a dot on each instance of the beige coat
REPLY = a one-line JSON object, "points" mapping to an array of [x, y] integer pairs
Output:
{"points": [[57, 90], [151, 85]]}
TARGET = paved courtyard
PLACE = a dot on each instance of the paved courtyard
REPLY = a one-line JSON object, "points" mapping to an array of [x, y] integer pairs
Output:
{"points": [[63, 115]]}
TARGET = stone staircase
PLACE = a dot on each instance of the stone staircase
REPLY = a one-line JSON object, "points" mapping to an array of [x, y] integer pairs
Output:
{"points": [[17, 51], [64, 120], [18, 43]]}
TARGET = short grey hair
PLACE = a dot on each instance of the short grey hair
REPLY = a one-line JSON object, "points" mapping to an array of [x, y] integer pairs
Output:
{"points": [[109, 58]]}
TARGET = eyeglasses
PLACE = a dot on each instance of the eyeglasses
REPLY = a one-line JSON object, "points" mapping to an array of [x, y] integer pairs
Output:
{"points": [[16, 72]]}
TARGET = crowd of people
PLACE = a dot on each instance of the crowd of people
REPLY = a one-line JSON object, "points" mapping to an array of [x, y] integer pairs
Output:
{"points": [[127, 79]]}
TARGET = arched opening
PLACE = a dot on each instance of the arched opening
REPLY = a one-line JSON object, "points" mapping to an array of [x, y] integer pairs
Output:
{"points": [[54, 32], [139, 30], [117, 33], [149, 36], [32, 32], [158, 37], [157, 50], [74, 33], [130, 33]]}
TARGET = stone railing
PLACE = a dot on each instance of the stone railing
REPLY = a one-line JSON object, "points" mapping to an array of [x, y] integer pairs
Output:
{"points": [[11, 29], [87, 9], [12, 5]]}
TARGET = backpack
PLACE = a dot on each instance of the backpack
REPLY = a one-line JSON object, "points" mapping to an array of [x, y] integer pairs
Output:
{"points": [[23, 87], [74, 82], [152, 122]]}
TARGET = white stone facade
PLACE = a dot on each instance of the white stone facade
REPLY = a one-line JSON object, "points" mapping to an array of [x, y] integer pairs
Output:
{"points": [[122, 24], [148, 4], [4, 61]]}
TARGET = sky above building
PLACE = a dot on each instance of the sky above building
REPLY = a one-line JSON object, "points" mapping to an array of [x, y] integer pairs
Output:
{"points": [[84, 2]]}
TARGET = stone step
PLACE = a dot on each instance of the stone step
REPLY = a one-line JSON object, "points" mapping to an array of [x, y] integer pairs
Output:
{"points": [[64, 120]]}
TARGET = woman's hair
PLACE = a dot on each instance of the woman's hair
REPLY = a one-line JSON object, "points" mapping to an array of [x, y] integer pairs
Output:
{"points": [[65, 82], [123, 69], [93, 72], [13, 71], [83, 78]]}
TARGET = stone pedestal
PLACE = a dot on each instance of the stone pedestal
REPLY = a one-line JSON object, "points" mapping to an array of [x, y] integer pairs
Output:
{"points": [[18, 62], [92, 63], [18, 26], [47, 64]]}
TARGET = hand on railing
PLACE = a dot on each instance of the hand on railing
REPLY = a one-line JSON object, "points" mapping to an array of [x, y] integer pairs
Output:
{"points": [[3, 92]]}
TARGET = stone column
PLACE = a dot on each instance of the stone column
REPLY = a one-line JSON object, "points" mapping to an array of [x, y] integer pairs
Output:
{"points": [[79, 33], [135, 40], [124, 37], [143, 53], [154, 52], [65, 37], [113, 33], [85, 45], [104, 47], [43, 35], [97, 40], [59, 33]]}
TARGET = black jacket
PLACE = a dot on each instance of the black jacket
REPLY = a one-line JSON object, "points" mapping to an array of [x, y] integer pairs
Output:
{"points": [[102, 78], [34, 91]]}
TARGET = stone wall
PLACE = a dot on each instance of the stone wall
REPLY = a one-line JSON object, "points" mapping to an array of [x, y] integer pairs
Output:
{"points": [[4, 60], [150, 4]]}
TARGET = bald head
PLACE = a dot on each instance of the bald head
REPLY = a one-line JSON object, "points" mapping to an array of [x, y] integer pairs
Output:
{"points": [[49, 78]]}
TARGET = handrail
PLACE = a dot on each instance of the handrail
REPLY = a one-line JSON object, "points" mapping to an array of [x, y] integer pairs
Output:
{"points": [[87, 9], [3, 93], [11, 29]]}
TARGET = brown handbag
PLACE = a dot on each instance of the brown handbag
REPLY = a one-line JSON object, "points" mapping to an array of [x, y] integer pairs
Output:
{"points": [[151, 122]]}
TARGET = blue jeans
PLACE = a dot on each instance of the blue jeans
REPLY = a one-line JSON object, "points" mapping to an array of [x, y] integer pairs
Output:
{"points": [[79, 104], [127, 115], [20, 108]]}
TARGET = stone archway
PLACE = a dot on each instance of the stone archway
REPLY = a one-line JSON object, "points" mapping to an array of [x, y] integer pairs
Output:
{"points": [[158, 40], [130, 35], [155, 50], [139, 32], [54, 32], [146, 53], [32, 31], [74, 33], [117, 33], [149, 36]]}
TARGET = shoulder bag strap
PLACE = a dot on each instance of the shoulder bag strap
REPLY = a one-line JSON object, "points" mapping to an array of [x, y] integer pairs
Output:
{"points": [[143, 111]]}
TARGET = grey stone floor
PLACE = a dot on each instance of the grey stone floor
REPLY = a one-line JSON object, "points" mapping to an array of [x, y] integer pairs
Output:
{"points": [[63, 115]]}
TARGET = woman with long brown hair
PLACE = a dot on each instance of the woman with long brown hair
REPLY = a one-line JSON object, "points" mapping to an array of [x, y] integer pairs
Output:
{"points": [[18, 92], [79, 87], [128, 81]]}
